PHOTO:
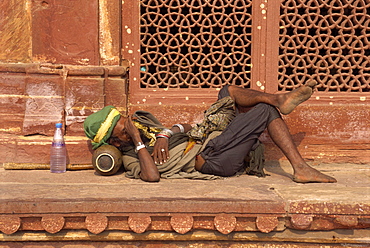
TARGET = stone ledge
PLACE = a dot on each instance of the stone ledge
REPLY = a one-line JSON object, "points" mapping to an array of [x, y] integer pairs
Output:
{"points": [[286, 238], [61, 69], [181, 223], [52, 206]]}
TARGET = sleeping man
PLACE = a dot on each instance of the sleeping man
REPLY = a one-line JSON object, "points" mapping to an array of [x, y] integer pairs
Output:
{"points": [[215, 148]]}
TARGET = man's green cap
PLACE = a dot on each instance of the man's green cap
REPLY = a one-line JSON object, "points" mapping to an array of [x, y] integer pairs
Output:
{"points": [[99, 126]]}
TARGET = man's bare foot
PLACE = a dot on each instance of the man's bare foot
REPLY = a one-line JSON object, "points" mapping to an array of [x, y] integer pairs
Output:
{"points": [[289, 101], [307, 174]]}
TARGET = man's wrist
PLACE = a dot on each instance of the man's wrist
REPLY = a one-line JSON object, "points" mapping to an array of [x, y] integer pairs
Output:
{"points": [[139, 146], [165, 133], [179, 126]]}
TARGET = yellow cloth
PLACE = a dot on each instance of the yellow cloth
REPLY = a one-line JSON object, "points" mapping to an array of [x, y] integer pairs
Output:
{"points": [[149, 132], [105, 125]]}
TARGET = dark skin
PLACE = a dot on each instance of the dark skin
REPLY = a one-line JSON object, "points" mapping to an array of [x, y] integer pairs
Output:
{"points": [[160, 156], [244, 99], [126, 131]]}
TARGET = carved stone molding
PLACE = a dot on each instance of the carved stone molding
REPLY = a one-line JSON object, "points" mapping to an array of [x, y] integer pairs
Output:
{"points": [[96, 223]]}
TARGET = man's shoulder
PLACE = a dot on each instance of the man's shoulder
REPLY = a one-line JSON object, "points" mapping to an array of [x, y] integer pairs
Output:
{"points": [[147, 118]]}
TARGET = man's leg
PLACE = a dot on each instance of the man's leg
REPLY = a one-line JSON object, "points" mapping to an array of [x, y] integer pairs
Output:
{"points": [[303, 173], [224, 155], [285, 102]]}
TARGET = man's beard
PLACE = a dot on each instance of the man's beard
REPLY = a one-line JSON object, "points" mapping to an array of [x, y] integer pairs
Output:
{"points": [[125, 145]]}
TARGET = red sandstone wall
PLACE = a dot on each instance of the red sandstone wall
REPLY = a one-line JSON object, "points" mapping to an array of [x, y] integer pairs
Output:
{"points": [[34, 98], [40, 40], [59, 61]]}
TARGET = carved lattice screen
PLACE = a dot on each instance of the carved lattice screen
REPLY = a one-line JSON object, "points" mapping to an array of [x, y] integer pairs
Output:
{"points": [[327, 40], [195, 43]]}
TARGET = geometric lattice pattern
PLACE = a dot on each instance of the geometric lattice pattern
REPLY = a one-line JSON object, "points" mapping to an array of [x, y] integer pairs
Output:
{"points": [[201, 44], [328, 41]]}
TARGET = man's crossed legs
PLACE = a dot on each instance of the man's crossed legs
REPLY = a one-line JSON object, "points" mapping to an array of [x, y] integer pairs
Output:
{"points": [[245, 100]]}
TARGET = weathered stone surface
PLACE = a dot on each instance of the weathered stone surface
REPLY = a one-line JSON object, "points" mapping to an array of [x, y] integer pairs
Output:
{"points": [[120, 71], [327, 133], [31, 222], [15, 30], [138, 223], [14, 67], [346, 220], [155, 239], [44, 104], [224, 223], [75, 222], [31, 148], [79, 151], [53, 223], [23, 115], [182, 223], [75, 70], [204, 222], [332, 207], [36, 96], [8, 148], [12, 84], [13, 102], [301, 221], [266, 224], [323, 223], [246, 224], [160, 223], [84, 96], [109, 32], [96, 223], [36, 150], [9, 224], [66, 40], [118, 223], [115, 92], [132, 211]]}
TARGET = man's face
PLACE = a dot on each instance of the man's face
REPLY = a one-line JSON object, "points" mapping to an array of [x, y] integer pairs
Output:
{"points": [[120, 132]]}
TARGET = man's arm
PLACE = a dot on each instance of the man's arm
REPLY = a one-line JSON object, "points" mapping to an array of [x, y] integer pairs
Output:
{"points": [[149, 171], [176, 129], [160, 152]]}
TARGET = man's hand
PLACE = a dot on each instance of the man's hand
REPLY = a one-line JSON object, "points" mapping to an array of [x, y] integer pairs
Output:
{"points": [[132, 130], [149, 171], [160, 153]]}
